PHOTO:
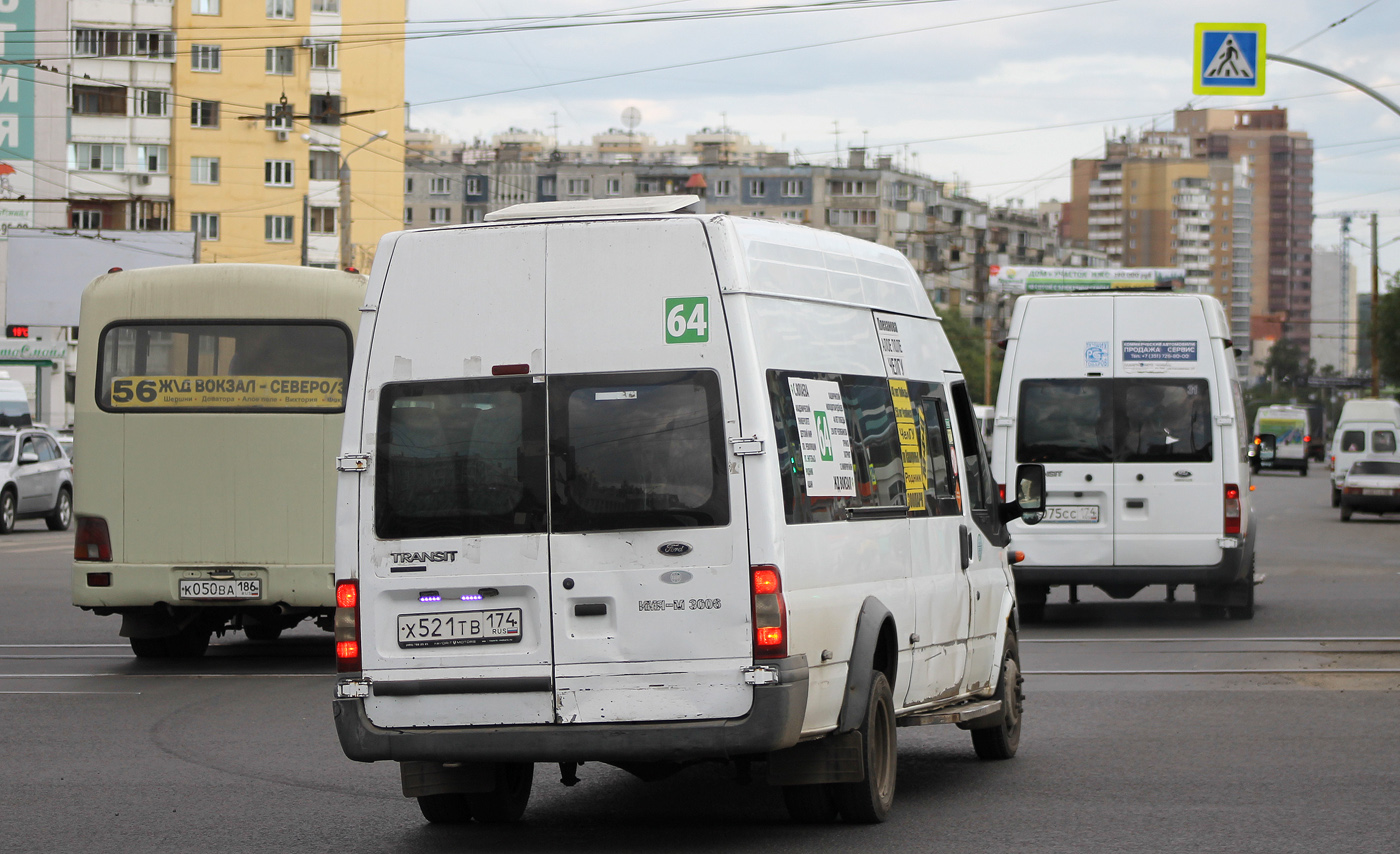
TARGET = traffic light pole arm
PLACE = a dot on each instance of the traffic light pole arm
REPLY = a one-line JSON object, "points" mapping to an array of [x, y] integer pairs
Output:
{"points": [[1390, 105]]}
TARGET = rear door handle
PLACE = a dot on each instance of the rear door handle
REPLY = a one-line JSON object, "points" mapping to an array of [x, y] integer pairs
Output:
{"points": [[965, 545]]}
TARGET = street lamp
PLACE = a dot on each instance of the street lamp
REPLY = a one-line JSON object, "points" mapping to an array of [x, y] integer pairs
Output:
{"points": [[346, 247]]}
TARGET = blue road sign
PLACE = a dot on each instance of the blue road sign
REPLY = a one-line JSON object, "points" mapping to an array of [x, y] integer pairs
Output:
{"points": [[1229, 59]]}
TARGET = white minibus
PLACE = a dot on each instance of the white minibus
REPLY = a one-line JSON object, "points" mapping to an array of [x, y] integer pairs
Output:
{"points": [[209, 407]]}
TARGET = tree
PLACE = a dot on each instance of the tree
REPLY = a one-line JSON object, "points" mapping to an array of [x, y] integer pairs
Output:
{"points": [[969, 347], [1387, 318]]}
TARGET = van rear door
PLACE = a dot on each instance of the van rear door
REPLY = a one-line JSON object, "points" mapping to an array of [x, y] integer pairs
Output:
{"points": [[1168, 481], [648, 554]]}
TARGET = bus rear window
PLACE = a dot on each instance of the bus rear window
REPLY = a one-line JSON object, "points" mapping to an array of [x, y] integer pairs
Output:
{"points": [[1065, 421], [224, 367]]}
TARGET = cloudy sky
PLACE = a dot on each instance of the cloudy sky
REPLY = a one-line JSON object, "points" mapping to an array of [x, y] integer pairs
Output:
{"points": [[1001, 94]]}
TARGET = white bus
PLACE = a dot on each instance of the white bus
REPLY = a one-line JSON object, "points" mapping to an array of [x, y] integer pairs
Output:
{"points": [[209, 407]]}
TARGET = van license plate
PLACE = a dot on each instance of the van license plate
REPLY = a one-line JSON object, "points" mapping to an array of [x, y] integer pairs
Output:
{"points": [[1072, 513], [459, 628], [1369, 491], [212, 589]]}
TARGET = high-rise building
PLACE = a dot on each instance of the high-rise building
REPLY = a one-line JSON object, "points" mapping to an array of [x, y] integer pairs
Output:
{"points": [[271, 100]]}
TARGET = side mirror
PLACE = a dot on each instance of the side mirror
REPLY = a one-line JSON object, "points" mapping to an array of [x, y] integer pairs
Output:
{"points": [[28, 457], [1029, 505]]}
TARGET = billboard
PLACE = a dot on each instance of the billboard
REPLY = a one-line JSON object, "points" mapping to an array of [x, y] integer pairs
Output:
{"points": [[17, 112], [1040, 280]]}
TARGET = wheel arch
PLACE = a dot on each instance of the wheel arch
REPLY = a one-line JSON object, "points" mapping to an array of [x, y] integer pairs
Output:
{"points": [[876, 647]]}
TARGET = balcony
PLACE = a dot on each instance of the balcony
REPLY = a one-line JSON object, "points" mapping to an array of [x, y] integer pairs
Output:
{"points": [[1106, 220]]}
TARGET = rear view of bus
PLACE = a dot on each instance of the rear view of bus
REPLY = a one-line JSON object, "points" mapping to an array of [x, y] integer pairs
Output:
{"points": [[209, 407]]}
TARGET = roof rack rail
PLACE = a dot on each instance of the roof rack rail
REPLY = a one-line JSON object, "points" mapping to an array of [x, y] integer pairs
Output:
{"points": [[597, 207]]}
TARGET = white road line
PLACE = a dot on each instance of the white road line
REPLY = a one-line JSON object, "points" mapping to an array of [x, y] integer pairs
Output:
{"points": [[61, 645], [1236, 672], [63, 657], [1213, 640], [71, 693], [155, 675]]}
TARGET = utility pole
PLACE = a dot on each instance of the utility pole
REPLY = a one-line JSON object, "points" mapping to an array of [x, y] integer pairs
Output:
{"points": [[1375, 306], [347, 248]]}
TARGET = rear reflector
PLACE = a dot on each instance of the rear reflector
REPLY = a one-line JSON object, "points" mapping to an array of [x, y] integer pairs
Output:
{"points": [[1232, 508], [99, 579], [769, 613], [92, 541], [347, 626], [508, 370]]}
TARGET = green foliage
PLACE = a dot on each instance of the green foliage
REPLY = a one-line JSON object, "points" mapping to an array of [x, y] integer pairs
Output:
{"points": [[1387, 317], [969, 347]]}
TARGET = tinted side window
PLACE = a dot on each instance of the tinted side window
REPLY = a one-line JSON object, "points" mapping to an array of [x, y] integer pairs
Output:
{"points": [[29, 445], [1383, 441], [1164, 420], [1353, 441], [979, 483], [935, 433], [48, 451], [1065, 421], [7, 448]]}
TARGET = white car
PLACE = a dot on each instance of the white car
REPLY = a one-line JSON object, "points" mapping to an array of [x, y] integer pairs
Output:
{"points": [[1372, 486], [36, 479]]}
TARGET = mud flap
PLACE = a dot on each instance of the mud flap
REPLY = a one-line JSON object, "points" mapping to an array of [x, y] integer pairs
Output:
{"points": [[834, 759]]}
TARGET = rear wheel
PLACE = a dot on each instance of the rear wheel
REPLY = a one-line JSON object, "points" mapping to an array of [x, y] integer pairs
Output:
{"points": [[1000, 740], [189, 642], [262, 631], [1304, 471], [1245, 610], [870, 800], [506, 802], [1346, 512], [62, 515], [7, 511], [1336, 496], [445, 809]]}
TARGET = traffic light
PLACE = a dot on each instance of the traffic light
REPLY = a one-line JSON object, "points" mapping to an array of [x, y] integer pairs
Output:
{"points": [[17, 331]]}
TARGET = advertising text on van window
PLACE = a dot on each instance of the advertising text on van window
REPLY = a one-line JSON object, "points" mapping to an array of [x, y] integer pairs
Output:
{"points": [[891, 345], [824, 436], [229, 392], [1159, 351], [911, 450]]}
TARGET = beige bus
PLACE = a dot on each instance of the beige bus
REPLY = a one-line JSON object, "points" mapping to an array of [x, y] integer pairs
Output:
{"points": [[209, 405]]}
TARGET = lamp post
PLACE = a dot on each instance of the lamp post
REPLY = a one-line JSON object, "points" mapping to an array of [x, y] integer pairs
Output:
{"points": [[346, 246]]}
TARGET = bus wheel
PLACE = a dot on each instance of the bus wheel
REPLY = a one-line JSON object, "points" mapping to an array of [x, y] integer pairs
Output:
{"points": [[1000, 740], [506, 802], [62, 516], [445, 809], [870, 800]]}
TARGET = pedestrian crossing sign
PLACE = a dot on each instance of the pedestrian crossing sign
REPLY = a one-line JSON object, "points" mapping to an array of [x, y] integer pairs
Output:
{"points": [[1229, 59]]}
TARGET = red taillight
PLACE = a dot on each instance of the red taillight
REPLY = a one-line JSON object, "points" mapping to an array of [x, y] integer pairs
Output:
{"points": [[92, 541], [1307, 439], [1232, 508], [347, 626], [99, 579], [1001, 492], [769, 613]]}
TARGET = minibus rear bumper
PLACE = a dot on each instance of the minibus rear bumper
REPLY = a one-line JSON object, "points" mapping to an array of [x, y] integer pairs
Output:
{"points": [[773, 722], [116, 587], [1233, 567]]}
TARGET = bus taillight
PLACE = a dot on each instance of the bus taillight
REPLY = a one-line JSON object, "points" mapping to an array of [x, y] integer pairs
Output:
{"points": [[92, 541], [1232, 508], [769, 613], [347, 626]]}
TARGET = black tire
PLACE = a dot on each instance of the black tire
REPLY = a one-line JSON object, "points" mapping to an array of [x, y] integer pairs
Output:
{"points": [[1000, 740], [262, 631], [1346, 512], [506, 803], [811, 804], [150, 647], [1246, 610], [189, 642], [1304, 471], [1336, 496], [62, 516], [870, 800], [445, 809], [7, 511]]}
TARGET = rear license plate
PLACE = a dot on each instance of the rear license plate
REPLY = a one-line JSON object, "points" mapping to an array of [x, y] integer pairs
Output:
{"points": [[1072, 513], [459, 628], [1385, 492], [210, 589]]}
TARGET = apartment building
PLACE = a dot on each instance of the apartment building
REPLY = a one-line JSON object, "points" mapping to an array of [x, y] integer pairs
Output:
{"points": [[272, 97]]}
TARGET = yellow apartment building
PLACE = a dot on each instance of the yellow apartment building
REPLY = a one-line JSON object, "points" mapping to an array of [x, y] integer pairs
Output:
{"points": [[271, 98]]}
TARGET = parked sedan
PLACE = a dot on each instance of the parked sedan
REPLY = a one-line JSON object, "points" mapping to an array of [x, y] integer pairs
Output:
{"points": [[36, 479], [1372, 486]]}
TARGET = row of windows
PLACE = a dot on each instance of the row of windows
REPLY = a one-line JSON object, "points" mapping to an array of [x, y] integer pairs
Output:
{"points": [[324, 110], [276, 228], [793, 188], [281, 9], [109, 157], [442, 186], [276, 60], [443, 216]]}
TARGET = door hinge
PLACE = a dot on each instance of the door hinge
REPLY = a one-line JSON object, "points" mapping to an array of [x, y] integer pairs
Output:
{"points": [[369, 308], [352, 462], [1224, 420], [750, 446], [760, 674]]}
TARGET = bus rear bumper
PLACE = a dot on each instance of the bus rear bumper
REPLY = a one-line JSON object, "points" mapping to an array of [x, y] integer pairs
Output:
{"points": [[113, 588]]}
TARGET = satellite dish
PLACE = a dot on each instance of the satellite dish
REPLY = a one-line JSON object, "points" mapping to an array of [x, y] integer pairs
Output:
{"points": [[631, 117]]}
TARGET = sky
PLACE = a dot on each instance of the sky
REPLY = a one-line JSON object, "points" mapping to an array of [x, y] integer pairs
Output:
{"points": [[1000, 94]]}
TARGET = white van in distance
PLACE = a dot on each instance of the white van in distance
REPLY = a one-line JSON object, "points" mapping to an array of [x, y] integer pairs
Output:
{"points": [[1289, 427], [1130, 401], [632, 485], [1366, 430]]}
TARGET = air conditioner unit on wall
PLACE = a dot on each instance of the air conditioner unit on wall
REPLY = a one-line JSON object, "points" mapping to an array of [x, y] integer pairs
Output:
{"points": [[143, 179], [282, 136], [308, 41]]}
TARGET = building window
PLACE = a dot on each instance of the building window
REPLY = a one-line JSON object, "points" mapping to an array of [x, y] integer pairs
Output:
{"points": [[285, 9], [278, 229], [87, 220], [439, 186], [204, 7], [99, 157], [547, 185], [205, 57], [613, 187], [793, 189], [473, 187], [407, 185], [153, 103], [758, 188], [278, 116], [204, 114], [278, 60], [151, 216], [845, 217], [724, 187], [329, 7], [206, 225], [797, 215], [439, 216], [204, 170], [325, 54], [646, 186], [579, 186], [134, 43], [407, 215], [325, 166], [322, 220], [277, 173], [325, 109], [473, 215], [152, 159], [852, 188], [99, 100]]}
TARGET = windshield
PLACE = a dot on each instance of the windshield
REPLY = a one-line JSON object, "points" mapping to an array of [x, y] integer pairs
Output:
{"points": [[1376, 467], [15, 413]]}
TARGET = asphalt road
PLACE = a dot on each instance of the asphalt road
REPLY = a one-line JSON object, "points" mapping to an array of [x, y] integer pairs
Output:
{"points": [[1147, 729]]}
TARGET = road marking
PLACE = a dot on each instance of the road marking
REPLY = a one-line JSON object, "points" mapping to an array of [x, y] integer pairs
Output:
{"points": [[58, 548], [88, 693], [64, 657], [1235, 672], [157, 675], [60, 645], [1212, 640]]}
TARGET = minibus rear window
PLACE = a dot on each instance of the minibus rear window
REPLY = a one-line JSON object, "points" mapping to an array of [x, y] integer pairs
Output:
{"points": [[235, 366], [637, 451], [1354, 441], [1164, 420], [1065, 421], [1126, 420], [1383, 441], [460, 458]]}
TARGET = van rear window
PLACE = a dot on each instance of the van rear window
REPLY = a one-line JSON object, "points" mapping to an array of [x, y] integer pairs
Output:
{"points": [[245, 366], [1383, 441], [1131, 419], [1353, 441]]}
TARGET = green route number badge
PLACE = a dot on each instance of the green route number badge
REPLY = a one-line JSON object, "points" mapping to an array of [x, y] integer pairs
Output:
{"points": [[687, 320]]}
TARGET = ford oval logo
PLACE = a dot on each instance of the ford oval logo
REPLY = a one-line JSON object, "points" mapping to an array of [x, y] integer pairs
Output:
{"points": [[676, 576], [1183, 473], [674, 549]]}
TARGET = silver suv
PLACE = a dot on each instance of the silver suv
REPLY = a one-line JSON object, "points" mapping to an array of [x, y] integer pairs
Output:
{"points": [[36, 479]]}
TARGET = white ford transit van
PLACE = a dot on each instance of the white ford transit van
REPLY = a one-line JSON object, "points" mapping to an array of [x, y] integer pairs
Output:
{"points": [[632, 485], [1289, 427], [1130, 401], [1366, 430]]}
